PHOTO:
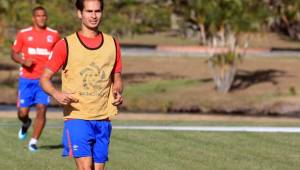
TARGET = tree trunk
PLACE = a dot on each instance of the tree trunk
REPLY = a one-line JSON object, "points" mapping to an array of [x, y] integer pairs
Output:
{"points": [[202, 35], [223, 76], [2, 26]]}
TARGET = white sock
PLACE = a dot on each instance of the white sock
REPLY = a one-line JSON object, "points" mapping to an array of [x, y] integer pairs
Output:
{"points": [[33, 141]]}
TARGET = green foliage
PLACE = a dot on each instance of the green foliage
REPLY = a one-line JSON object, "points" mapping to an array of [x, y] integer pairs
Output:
{"points": [[17, 15], [228, 58], [155, 87], [154, 94], [62, 16], [239, 15], [130, 17], [285, 15], [133, 17], [292, 91]]}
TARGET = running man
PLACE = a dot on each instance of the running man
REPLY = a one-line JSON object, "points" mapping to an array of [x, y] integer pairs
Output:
{"points": [[91, 87], [31, 50]]}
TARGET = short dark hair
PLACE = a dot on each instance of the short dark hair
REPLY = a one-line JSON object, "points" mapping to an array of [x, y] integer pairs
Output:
{"points": [[79, 4], [37, 9]]}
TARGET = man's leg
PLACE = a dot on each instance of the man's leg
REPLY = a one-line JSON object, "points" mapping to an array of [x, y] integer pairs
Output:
{"points": [[101, 146], [41, 100], [99, 166], [23, 114], [77, 140], [26, 122], [40, 121], [84, 163], [39, 125], [23, 104]]}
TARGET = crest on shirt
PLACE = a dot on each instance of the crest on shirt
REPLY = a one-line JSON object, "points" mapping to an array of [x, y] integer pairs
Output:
{"points": [[30, 38], [49, 39]]}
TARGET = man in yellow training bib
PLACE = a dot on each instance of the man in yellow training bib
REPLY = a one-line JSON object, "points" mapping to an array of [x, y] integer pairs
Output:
{"points": [[91, 87]]}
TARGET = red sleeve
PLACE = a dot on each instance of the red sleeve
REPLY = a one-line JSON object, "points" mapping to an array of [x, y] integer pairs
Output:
{"points": [[57, 37], [18, 44], [58, 56], [118, 65]]}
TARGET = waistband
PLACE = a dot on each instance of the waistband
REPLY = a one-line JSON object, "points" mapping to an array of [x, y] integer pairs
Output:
{"points": [[106, 119]]}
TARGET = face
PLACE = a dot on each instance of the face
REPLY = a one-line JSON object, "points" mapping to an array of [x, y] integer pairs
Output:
{"points": [[39, 18], [91, 14]]}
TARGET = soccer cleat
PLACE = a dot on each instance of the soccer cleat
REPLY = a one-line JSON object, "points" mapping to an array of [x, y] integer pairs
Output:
{"points": [[33, 147], [23, 131]]}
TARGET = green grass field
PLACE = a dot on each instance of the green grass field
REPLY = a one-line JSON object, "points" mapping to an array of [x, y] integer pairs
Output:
{"points": [[162, 150]]}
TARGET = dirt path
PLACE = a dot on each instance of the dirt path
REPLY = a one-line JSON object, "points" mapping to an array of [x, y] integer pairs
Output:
{"points": [[172, 117]]}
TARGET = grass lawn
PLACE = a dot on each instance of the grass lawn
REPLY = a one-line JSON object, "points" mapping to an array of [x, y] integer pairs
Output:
{"points": [[161, 150]]}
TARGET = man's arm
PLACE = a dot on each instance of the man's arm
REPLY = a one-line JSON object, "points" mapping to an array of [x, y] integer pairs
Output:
{"points": [[62, 97], [117, 89], [16, 58], [16, 51]]}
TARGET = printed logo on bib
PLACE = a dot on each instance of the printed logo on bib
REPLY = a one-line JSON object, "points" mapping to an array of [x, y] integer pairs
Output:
{"points": [[92, 76]]}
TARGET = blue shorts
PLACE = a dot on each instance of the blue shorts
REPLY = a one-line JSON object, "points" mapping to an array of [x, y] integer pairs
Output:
{"points": [[31, 93], [87, 138]]}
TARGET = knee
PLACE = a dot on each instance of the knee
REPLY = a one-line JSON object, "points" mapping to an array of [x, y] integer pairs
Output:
{"points": [[84, 167], [22, 114], [40, 112]]}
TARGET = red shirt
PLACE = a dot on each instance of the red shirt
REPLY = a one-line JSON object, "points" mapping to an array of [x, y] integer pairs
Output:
{"points": [[35, 45], [59, 53]]}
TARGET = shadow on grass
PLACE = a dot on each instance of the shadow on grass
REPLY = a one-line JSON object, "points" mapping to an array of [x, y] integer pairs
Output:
{"points": [[148, 76], [244, 79], [206, 80], [51, 147]]}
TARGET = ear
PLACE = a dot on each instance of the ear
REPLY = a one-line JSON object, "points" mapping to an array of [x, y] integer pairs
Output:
{"points": [[79, 14]]}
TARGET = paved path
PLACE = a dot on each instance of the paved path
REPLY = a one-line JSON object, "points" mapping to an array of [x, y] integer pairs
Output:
{"points": [[56, 113], [198, 51]]}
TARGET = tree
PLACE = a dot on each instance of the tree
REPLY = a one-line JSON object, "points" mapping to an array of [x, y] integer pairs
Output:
{"points": [[223, 61], [216, 17], [220, 21], [286, 17], [9, 18], [135, 17]]}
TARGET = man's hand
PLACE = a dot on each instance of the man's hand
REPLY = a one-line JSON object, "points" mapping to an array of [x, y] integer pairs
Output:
{"points": [[118, 99], [27, 63], [64, 98]]}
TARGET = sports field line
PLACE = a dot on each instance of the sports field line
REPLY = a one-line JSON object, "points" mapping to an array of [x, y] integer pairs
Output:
{"points": [[214, 128], [187, 128]]}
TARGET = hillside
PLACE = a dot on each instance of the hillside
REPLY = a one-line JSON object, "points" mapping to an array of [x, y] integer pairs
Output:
{"points": [[263, 86]]}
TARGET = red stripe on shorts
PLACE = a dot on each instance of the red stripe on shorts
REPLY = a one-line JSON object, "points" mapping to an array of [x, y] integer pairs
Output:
{"points": [[18, 100]]}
